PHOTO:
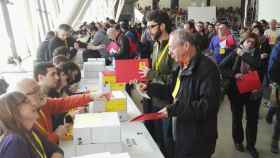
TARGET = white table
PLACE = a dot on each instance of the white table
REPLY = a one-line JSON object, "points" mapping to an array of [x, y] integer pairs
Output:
{"points": [[136, 139]]}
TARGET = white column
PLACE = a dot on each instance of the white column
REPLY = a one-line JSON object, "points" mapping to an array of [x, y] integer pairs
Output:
{"points": [[8, 26]]}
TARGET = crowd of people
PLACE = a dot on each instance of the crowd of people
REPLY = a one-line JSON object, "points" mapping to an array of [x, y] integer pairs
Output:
{"points": [[193, 67]]}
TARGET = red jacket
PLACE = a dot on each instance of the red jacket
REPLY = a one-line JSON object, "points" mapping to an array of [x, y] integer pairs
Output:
{"points": [[58, 105]]}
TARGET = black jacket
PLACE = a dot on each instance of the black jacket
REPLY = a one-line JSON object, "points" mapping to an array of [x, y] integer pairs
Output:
{"points": [[56, 42], [228, 69], [43, 54], [196, 107]]}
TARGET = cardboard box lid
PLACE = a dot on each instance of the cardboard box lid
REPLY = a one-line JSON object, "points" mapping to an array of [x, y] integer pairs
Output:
{"points": [[91, 120]]}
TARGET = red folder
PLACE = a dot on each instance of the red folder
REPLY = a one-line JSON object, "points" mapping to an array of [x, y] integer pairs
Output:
{"points": [[128, 70], [148, 117], [249, 82]]}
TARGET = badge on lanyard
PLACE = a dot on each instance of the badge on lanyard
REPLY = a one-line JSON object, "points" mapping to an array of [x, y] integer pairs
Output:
{"points": [[223, 47]]}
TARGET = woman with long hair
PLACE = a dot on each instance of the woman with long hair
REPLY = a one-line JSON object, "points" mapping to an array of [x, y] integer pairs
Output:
{"points": [[19, 139]]}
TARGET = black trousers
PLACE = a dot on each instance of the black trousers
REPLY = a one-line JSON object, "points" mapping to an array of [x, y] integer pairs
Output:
{"points": [[201, 156], [198, 155], [238, 102], [160, 130], [276, 130]]}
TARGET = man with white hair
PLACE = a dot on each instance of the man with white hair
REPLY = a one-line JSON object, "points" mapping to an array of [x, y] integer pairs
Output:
{"points": [[63, 38], [51, 106], [196, 90]]}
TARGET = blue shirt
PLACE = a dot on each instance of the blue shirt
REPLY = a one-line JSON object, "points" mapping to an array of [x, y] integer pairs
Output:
{"points": [[214, 46]]}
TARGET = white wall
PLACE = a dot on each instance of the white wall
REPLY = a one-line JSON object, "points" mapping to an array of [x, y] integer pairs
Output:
{"points": [[226, 3], [186, 3], [269, 9]]}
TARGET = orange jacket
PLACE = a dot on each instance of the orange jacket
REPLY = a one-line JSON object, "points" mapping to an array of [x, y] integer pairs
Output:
{"points": [[58, 105]]}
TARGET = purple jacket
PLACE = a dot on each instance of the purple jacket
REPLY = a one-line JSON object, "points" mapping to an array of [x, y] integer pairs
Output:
{"points": [[15, 146]]}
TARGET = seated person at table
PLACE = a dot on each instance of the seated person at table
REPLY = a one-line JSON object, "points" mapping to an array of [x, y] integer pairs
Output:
{"points": [[61, 50], [69, 77], [20, 140], [59, 60], [52, 106]]}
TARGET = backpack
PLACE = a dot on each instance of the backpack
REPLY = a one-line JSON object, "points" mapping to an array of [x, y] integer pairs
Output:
{"points": [[133, 49]]}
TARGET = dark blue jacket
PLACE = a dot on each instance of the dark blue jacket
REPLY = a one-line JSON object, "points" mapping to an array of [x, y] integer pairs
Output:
{"points": [[15, 146], [274, 64], [196, 107]]}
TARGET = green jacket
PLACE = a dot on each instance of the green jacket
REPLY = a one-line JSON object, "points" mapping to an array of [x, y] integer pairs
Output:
{"points": [[161, 71]]}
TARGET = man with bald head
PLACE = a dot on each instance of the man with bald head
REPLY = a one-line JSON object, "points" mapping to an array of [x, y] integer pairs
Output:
{"points": [[51, 106]]}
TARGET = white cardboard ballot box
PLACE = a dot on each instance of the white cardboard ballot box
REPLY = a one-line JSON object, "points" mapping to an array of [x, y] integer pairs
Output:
{"points": [[92, 67], [94, 128]]}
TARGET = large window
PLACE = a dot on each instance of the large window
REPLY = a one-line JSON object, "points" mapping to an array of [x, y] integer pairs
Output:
{"points": [[30, 21], [19, 27], [4, 40]]}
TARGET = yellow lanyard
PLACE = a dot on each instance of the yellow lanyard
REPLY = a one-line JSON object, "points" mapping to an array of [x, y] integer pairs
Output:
{"points": [[161, 57], [44, 119], [41, 128], [176, 88], [38, 141]]}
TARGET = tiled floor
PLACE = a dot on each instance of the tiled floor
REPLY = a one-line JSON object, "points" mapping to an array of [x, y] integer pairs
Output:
{"points": [[225, 148]]}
